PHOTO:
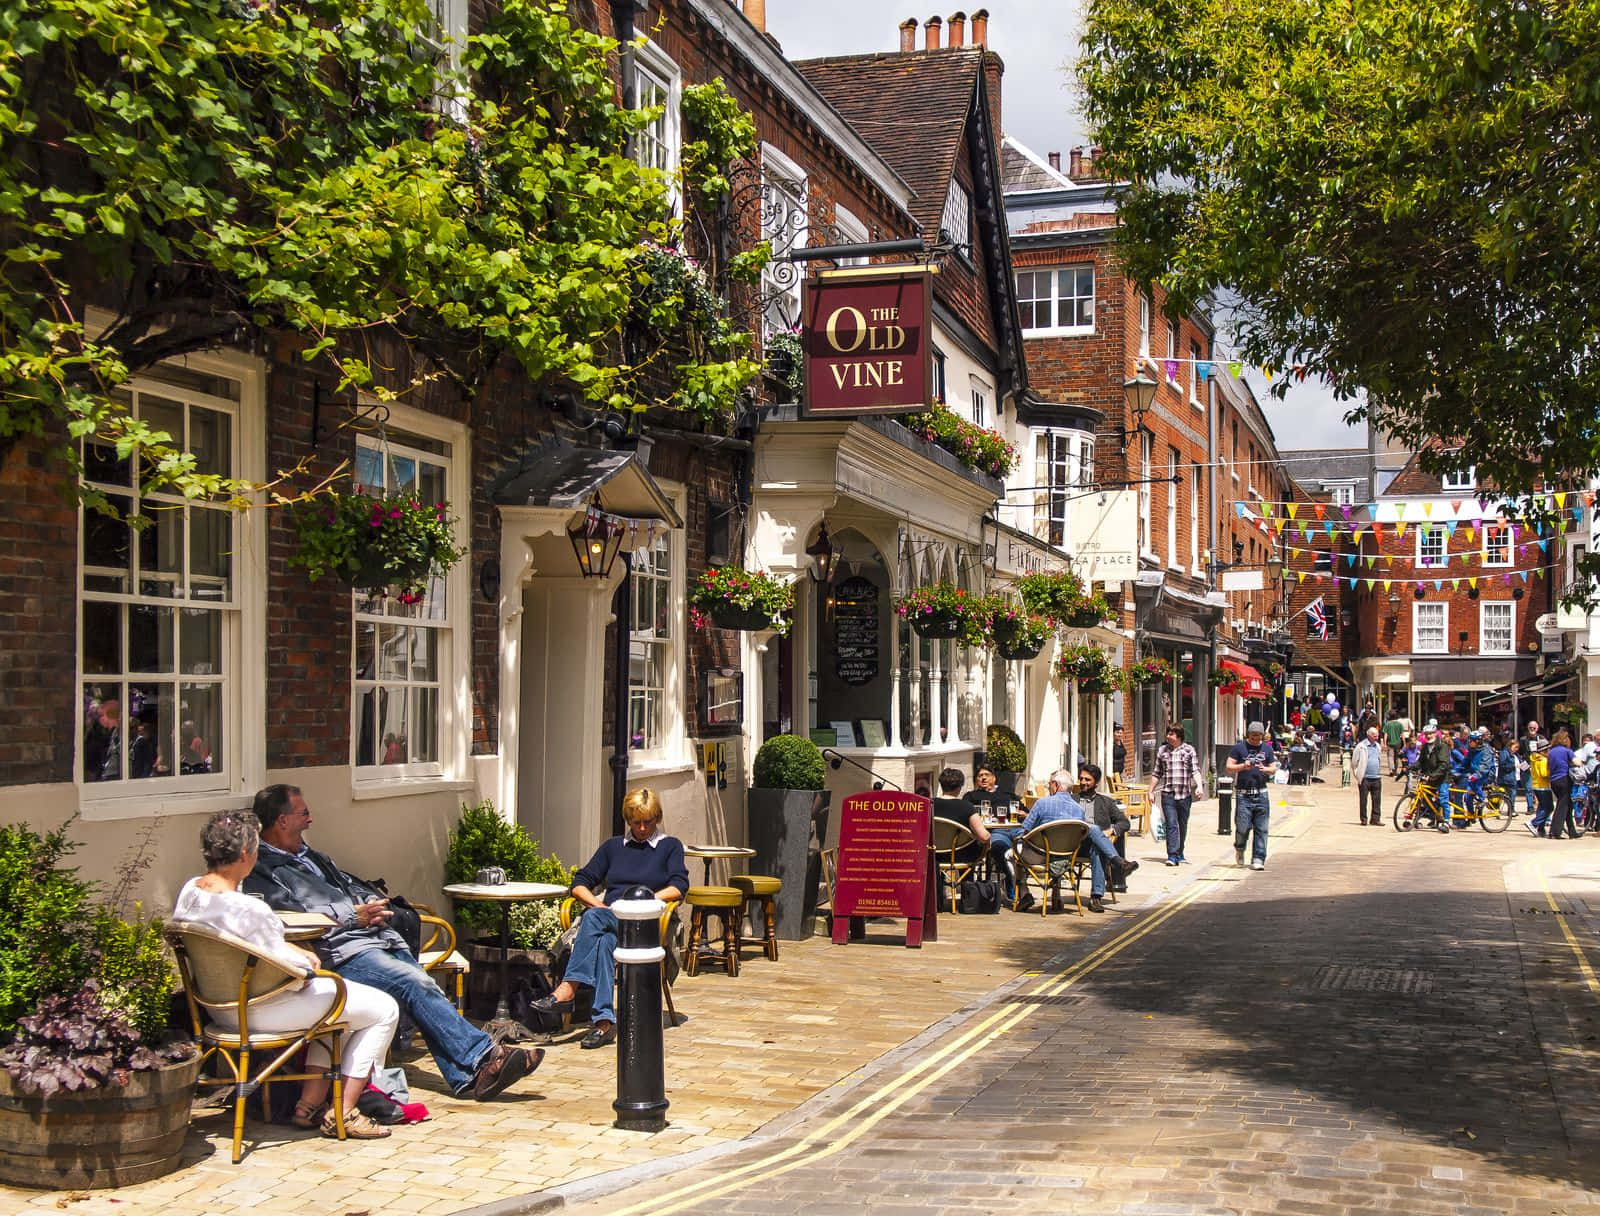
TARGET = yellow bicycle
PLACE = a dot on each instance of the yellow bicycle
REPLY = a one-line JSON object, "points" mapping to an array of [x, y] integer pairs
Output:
{"points": [[1493, 813]]}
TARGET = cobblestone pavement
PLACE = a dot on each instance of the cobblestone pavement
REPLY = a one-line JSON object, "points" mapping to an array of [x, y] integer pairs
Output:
{"points": [[1376, 1023]]}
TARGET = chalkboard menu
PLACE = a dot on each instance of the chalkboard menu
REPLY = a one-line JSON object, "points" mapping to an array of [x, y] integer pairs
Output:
{"points": [[855, 619]]}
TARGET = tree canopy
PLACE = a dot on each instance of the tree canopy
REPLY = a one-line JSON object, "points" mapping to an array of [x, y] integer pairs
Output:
{"points": [[1405, 197], [198, 170]]}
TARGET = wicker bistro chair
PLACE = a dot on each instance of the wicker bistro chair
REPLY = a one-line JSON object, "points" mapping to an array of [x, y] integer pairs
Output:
{"points": [[571, 910], [1050, 852], [224, 972], [439, 956], [949, 839]]}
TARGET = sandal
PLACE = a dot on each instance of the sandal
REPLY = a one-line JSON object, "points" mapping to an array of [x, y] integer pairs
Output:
{"points": [[308, 1114], [357, 1126]]}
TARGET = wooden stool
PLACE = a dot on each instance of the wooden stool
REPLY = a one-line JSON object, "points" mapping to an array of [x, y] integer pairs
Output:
{"points": [[760, 889], [725, 903]]}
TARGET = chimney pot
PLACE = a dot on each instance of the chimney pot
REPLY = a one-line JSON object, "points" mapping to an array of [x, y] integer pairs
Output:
{"points": [[755, 12], [931, 28], [958, 29], [980, 28], [1055, 161], [1094, 159], [1075, 163], [908, 35]]}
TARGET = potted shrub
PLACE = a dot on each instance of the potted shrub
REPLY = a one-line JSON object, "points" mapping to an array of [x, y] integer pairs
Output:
{"points": [[94, 1089], [481, 839], [788, 822], [943, 610], [375, 544], [1019, 634], [1006, 754], [731, 597]]}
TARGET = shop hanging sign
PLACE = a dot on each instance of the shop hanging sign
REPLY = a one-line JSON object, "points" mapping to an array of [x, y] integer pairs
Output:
{"points": [[868, 339]]}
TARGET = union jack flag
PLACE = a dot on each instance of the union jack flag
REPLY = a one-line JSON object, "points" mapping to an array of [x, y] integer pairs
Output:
{"points": [[1319, 618]]}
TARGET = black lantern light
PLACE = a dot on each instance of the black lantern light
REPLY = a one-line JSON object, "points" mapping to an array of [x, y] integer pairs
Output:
{"points": [[820, 553], [1419, 591], [596, 541], [1517, 593]]}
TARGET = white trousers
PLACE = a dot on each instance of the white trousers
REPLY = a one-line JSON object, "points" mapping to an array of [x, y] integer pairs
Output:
{"points": [[370, 1015]]}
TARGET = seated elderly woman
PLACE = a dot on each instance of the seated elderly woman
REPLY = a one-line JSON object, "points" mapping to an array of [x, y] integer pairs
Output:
{"points": [[229, 843], [643, 855]]}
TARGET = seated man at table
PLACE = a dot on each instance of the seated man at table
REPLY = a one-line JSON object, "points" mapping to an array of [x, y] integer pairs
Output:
{"points": [[1103, 859], [1109, 817], [950, 805], [985, 794], [643, 856], [363, 947]]}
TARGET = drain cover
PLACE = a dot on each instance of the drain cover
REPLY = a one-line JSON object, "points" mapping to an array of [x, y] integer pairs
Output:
{"points": [[1337, 977]]}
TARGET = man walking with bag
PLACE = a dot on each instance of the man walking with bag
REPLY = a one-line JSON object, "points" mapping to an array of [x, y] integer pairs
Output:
{"points": [[1252, 765], [1173, 786], [1366, 766]]}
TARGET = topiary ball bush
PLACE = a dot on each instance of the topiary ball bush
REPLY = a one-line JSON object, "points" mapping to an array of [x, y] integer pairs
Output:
{"points": [[1004, 750], [788, 762]]}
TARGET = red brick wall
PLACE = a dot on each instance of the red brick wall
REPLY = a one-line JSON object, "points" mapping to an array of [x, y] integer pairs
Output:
{"points": [[38, 617]]}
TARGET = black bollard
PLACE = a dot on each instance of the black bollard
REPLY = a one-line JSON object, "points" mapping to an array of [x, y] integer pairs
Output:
{"points": [[1224, 806], [641, 1103]]}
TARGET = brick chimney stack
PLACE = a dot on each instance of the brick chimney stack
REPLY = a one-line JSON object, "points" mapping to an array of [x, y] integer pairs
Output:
{"points": [[1055, 161], [908, 35], [980, 28], [930, 30], [755, 12], [1094, 161], [1074, 164], [958, 30]]}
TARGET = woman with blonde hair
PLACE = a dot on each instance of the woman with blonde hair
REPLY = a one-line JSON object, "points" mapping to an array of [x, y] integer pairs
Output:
{"points": [[644, 856]]}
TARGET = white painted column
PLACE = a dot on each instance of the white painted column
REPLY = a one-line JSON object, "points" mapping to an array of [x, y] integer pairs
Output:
{"points": [[936, 695]]}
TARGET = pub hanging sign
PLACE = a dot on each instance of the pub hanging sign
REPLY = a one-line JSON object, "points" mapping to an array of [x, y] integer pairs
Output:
{"points": [[868, 338]]}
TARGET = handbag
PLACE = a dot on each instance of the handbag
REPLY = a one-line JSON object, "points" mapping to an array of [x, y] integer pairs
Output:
{"points": [[979, 897], [1158, 823]]}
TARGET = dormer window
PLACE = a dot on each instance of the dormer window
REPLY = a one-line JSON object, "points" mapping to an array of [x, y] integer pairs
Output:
{"points": [[1462, 482]]}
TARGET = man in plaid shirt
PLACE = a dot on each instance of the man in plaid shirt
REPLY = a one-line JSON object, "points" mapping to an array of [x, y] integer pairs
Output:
{"points": [[1176, 780]]}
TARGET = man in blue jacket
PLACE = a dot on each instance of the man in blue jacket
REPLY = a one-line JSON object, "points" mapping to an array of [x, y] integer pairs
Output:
{"points": [[1103, 858]]}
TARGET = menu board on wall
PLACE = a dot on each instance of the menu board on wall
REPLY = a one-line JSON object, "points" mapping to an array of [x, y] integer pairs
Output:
{"points": [[855, 620]]}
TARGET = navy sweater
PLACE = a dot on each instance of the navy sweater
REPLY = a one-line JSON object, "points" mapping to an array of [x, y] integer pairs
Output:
{"points": [[620, 864]]}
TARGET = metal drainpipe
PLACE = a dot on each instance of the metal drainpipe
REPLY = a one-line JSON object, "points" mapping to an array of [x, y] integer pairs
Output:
{"points": [[1213, 446], [622, 610], [624, 17]]}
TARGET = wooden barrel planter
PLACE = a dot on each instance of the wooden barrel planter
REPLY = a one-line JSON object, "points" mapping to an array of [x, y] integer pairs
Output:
{"points": [[533, 970], [112, 1136]]}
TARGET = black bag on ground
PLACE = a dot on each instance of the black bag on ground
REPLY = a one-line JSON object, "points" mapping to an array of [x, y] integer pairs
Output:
{"points": [[979, 897]]}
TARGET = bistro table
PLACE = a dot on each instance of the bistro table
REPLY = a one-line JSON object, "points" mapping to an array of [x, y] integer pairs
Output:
{"points": [[716, 852], [304, 926], [503, 1028]]}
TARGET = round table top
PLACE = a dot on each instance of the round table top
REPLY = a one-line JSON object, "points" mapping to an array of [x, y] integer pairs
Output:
{"points": [[505, 892], [717, 850]]}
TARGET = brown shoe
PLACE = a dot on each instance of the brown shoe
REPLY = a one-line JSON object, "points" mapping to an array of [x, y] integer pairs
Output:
{"points": [[1095, 905], [503, 1068], [357, 1126]]}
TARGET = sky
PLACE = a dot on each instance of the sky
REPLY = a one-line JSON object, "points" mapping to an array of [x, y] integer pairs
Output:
{"points": [[1037, 41]]}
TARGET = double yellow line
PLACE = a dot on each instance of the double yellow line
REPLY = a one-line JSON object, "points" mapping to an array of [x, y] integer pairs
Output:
{"points": [[1572, 938], [843, 1130]]}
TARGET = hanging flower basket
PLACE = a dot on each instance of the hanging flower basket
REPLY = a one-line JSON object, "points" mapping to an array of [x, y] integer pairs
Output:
{"points": [[1019, 635], [375, 544], [1056, 597], [1094, 609], [1107, 682], [1149, 671], [731, 597], [944, 610], [1227, 683], [1081, 663]]}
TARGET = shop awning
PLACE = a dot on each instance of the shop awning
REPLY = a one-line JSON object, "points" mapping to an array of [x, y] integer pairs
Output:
{"points": [[1255, 684], [561, 476], [1534, 686]]}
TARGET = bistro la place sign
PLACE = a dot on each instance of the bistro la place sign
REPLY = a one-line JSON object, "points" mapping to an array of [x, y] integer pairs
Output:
{"points": [[868, 339]]}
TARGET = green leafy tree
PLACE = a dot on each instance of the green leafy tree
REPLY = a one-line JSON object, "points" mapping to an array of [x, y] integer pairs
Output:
{"points": [[1404, 198], [202, 172]]}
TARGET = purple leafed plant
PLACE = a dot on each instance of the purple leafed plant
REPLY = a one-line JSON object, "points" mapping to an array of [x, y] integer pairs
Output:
{"points": [[76, 1042]]}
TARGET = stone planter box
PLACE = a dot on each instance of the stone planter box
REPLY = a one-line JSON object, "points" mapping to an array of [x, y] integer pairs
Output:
{"points": [[787, 831]]}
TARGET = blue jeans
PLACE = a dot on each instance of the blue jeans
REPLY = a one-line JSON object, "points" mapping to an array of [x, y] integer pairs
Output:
{"points": [[1175, 811], [457, 1045], [1545, 800], [1251, 810], [1102, 853], [591, 961], [1525, 784], [1000, 842]]}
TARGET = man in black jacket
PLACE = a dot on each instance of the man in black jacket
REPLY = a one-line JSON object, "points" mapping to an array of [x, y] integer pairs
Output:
{"points": [[364, 948], [1108, 816]]}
